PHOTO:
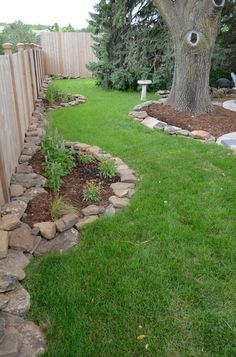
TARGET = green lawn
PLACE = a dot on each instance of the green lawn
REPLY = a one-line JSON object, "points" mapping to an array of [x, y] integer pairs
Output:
{"points": [[178, 289]]}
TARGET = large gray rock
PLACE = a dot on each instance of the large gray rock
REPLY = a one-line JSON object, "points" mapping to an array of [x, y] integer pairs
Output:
{"points": [[66, 222], [17, 207], [7, 282], [47, 229], [19, 301], [86, 220], [160, 125], [93, 210], [14, 264], [200, 134], [109, 211], [2, 329], [138, 114], [121, 189], [119, 202], [21, 238], [145, 104], [16, 190], [33, 343], [9, 222], [3, 244], [28, 180], [24, 169], [150, 122], [129, 178], [60, 243], [170, 129], [11, 343], [3, 301]]}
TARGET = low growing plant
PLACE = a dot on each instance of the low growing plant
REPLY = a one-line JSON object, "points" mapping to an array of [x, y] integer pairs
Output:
{"points": [[54, 94], [59, 208], [59, 161], [85, 158], [107, 168], [92, 192]]}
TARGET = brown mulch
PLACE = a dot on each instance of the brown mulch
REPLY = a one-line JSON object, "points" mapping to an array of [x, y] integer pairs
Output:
{"points": [[217, 123], [38, 209]]}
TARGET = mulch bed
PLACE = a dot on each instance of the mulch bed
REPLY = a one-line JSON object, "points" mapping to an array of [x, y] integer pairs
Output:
{"points": [[217, 123], [38, 209]]}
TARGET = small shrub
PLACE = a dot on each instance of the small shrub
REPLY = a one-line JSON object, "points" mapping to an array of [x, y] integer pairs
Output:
{"points": [[53, 172], [59, 208], [85, 158], [92, 192], [54, 94], [59, 161], [107, 168]]}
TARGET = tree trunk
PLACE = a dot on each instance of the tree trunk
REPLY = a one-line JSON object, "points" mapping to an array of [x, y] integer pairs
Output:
{"points": [[193, 25]]}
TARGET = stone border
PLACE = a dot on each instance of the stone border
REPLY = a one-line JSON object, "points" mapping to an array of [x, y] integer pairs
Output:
{"points": [[139, 114], [19, 244]]}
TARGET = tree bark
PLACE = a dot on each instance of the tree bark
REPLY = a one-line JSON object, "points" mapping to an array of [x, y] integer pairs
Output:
{"points": [[193, 25]]}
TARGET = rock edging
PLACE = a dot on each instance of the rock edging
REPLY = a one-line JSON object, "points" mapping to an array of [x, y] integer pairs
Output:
{"points": [[19, 244], [139, 114]]}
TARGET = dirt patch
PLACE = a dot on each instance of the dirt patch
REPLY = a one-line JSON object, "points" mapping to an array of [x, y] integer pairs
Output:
{"points": [[38, 209], [217, 123]]}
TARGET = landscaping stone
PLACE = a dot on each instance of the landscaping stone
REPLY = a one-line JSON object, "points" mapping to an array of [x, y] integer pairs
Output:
{"points": [[66, 222], [11, 343], [200, 134], [47, 229], [33, 343], [145, 104], [3, 301], [171, 129], [228, 140], [94, 150], [21, 238], [33, 192], [93, 210], [16, 190], [131, 193], [150, 122], [35, 231], [121, 189], [160, 125], [14, 264], [24, 159], [86, 220], [2, 329], [119, 202], [110, 211], [19, 301], [28, 180], [129, 178], [183, 132], [138, 115], [81, 146], [17, 207], [3, 244], [9, 222], [62, 241], [7, 282], [23, 169]]}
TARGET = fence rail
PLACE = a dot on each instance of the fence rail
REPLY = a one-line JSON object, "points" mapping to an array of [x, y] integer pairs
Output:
{"points": [[67, 53], [21, 77]]}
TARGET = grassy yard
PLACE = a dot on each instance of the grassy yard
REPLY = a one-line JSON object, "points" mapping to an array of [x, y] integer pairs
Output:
{"points": [[177, 291]]}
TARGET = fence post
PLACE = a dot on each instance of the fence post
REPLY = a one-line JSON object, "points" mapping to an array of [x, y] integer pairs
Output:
{"points": [[21, 47], [28, 50], [7, 47]]}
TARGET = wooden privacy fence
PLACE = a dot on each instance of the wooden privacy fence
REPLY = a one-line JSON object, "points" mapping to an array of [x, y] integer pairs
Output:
{"points": [[67, 53], [21, 77]]}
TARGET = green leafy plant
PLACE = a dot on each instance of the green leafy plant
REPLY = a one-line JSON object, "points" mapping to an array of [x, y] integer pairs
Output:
{"points": [[59, 208], [92, 192], [54, 94], [59, 161], [85, 158], [107, 168]]}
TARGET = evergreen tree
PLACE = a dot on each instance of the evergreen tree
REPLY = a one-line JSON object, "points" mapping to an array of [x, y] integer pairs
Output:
{"points": [[131, 43]]}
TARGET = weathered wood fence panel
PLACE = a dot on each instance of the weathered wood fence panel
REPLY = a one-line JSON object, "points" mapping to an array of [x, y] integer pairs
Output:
{"points": [[21, 77], [67, 53]]}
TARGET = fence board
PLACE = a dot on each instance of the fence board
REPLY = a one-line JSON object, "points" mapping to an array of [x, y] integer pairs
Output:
{"points": [[17, 93], [67, 53]]}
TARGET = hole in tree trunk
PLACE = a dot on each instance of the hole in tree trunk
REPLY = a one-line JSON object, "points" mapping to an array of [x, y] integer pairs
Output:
{"points": [[193, 38], [218, 2]]}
